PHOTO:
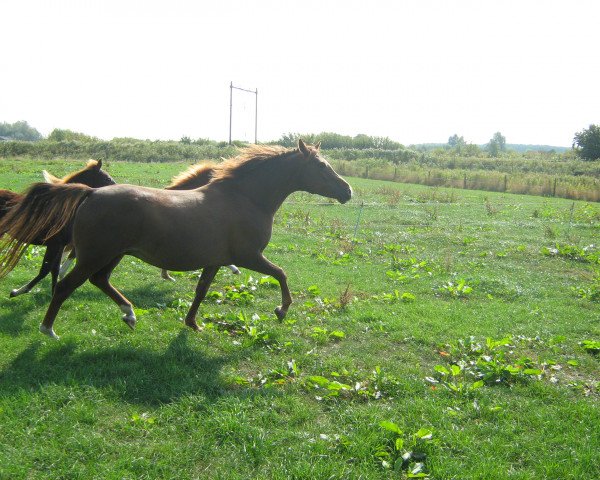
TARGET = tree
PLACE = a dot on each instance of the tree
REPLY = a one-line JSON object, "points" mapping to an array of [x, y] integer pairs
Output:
{"points": [[362, 141], [497, 144], [456, 141], [19, 131], [587, 143], [61, 135]]}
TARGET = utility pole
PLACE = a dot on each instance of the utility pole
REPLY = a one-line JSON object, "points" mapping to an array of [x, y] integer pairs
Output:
{"points": [[255, 92]]}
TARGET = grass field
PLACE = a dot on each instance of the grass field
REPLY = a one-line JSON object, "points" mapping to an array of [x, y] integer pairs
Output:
{"points": [[436, 333]]}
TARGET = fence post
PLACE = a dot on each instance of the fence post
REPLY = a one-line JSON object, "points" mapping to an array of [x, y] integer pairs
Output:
{"points": [[465, 181], [505, 182], [554, 187], [362, 204]]}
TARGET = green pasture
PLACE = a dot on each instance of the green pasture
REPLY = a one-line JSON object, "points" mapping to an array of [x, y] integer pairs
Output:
{"points": [[435, 333]]}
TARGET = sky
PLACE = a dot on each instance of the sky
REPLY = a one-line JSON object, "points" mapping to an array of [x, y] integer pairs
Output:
{"points": [[414, 71]]}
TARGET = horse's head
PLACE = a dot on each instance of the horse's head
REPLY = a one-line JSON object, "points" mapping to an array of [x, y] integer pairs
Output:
{"points": [[92, 175], [317, 176]]}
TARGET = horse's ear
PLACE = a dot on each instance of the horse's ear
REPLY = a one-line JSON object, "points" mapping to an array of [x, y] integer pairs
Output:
{"points": [[318, 145], [96, 164], [49, 178], [303, 148]]}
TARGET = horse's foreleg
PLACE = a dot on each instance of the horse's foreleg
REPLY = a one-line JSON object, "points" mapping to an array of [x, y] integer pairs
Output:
{"points": [[101, 279], [52, 251], [262, 265], [208, 275]]}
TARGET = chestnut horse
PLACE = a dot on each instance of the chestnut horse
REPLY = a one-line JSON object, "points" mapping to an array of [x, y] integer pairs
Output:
{"points": [[93, 176], [227, 221], [194, 177]]}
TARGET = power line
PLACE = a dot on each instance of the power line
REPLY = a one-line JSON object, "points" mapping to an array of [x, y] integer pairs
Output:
{"points": [[255, 92]]}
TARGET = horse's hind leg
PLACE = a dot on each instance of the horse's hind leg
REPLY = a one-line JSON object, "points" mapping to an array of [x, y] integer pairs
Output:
{"points": [[101, 279], [208, 275], [52, 252], [63, 290]]}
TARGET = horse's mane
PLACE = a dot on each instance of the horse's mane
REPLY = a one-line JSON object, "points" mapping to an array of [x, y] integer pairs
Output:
{"points": [[192, 174], [90, 164], [248, 159]]}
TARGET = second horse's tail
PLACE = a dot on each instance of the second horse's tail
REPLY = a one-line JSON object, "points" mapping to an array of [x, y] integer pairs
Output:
{"points": [[43, 212]]}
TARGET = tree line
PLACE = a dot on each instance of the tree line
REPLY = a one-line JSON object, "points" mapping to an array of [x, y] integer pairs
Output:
{"points": [[586, 145]]}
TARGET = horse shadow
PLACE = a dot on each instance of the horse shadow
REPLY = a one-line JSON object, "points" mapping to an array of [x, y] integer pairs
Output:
{"points": [[137, 376], [15, 311]]}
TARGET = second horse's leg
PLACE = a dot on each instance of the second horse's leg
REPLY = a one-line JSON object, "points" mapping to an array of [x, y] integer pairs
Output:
{"points": [[55, 268], [165, 275], [208, 275], [66, 263], [52, 251]]}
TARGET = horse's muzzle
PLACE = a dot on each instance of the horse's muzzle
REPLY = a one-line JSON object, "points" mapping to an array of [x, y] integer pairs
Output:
{"points": [[345, 195]]}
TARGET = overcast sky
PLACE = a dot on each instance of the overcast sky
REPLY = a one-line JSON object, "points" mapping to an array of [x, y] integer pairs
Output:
{"points": [[415, 71]]}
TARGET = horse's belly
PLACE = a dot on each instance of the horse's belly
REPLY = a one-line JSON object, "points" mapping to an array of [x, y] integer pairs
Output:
{"points": [[181, 260], [188, 248]]}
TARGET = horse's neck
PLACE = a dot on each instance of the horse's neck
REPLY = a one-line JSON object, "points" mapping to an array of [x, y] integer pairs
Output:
{"points": [[268, 188], [81, 178]]}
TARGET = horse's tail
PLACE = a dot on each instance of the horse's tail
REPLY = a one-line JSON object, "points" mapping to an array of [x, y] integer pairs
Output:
{"points": [[44, 211]]}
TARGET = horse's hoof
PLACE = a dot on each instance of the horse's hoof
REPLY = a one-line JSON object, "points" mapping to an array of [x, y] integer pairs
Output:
{"points": [[49, 331], [17, 291], [165, 276], [194, 326], [281, 313], [130, 320], [234, 269]]}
